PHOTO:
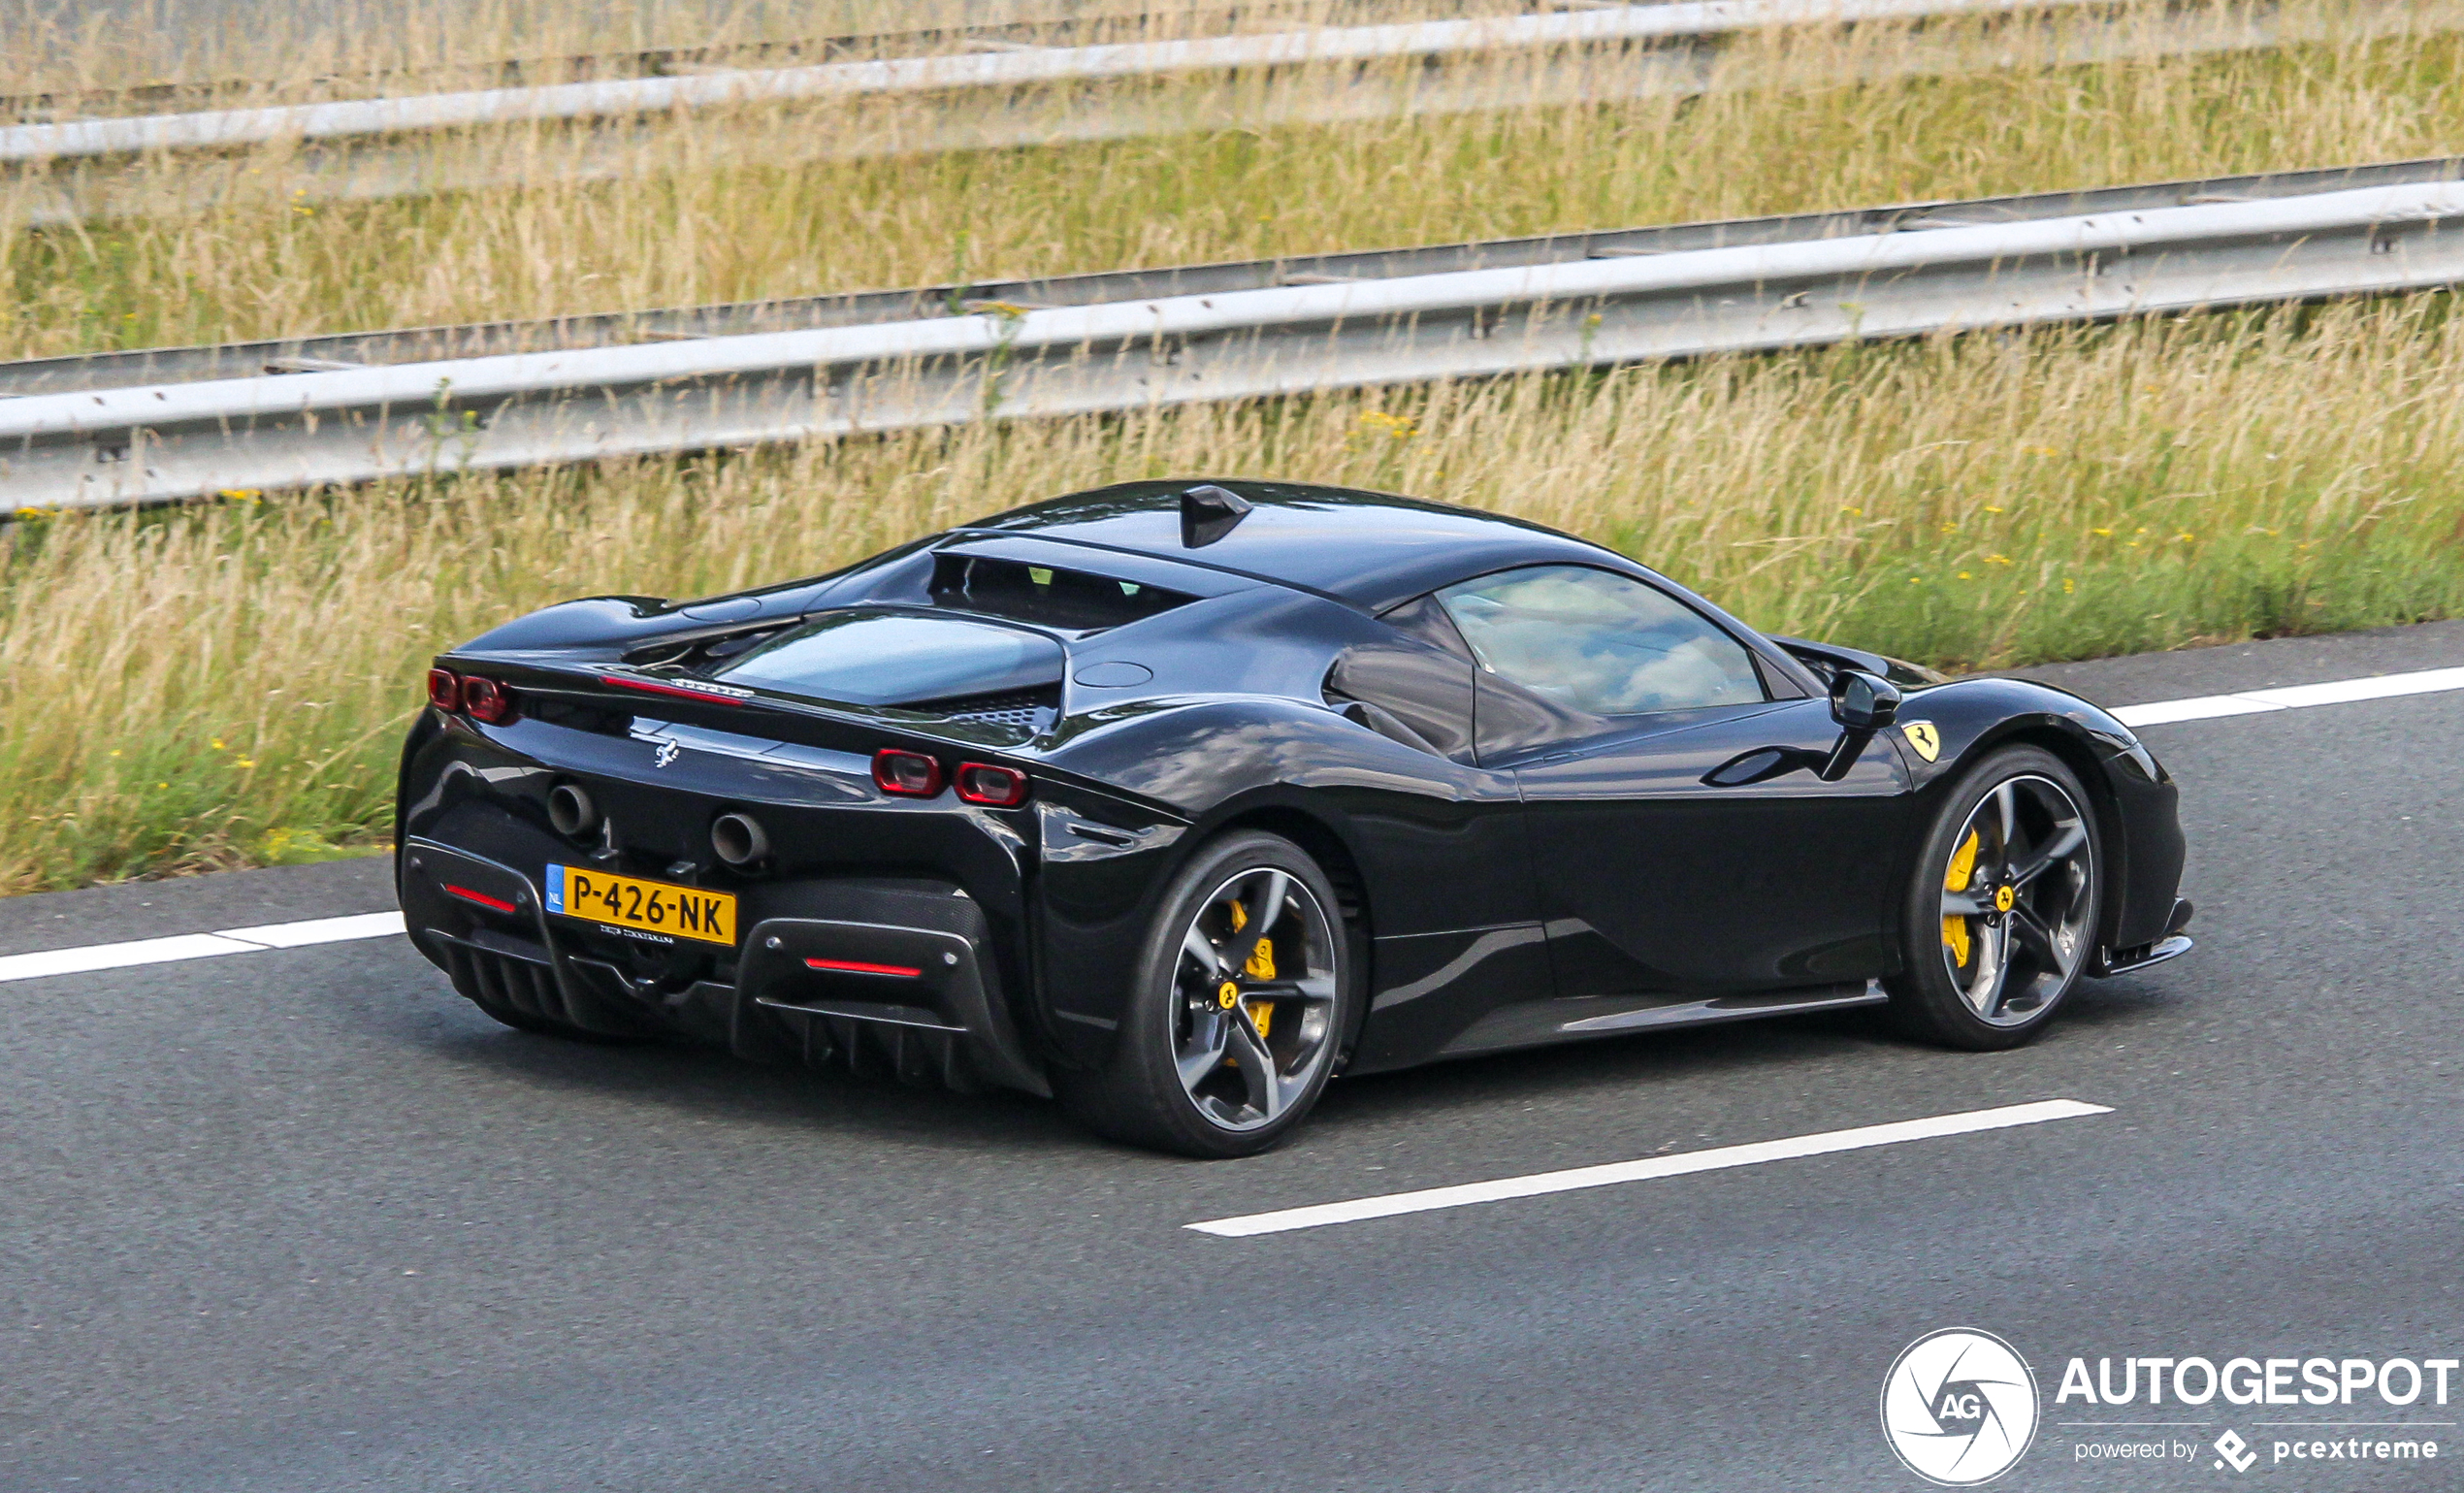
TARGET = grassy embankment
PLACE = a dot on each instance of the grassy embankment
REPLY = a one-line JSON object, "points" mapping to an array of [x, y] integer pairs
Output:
{"points": [[224, 685]]}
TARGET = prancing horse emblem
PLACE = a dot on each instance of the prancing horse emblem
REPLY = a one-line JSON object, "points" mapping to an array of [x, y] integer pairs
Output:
{"points": [[1925, 738], [668, 751]]}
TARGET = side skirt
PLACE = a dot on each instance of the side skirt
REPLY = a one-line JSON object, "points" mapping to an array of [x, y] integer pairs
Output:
{"points": [[1539, 1023]]}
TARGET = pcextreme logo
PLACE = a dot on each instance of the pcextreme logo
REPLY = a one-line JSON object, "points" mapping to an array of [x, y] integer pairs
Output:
{"points": [[1959, 1406]]}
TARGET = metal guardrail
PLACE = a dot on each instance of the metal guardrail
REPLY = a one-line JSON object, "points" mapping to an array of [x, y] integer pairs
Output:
{"points": [[75, 172], [993, 32], [290, 356], [625, 97], [1216, 333]]}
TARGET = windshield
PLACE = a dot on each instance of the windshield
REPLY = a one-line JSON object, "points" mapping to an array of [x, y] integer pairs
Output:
{"points": [[898, 658]]}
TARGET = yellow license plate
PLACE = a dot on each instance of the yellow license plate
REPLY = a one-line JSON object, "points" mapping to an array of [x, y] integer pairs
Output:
{"points": [[651, 907]]}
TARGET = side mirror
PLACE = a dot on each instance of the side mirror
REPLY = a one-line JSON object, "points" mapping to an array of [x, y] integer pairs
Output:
{"points": [[1863, 702]]}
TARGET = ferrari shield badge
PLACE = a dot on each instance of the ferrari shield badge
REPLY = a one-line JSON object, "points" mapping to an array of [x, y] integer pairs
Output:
{"points": [[1925, 738]]}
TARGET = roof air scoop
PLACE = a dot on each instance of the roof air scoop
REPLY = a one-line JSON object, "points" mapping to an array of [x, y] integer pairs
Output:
{"points": [[1208, 513]]}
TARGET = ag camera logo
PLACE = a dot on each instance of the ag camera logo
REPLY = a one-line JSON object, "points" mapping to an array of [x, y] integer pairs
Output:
{"points": [[1959, 1406]]}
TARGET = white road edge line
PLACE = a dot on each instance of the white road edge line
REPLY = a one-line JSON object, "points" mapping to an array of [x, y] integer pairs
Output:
{"points": [[328, 930], [198, 946], [1720, 1158], [2298, 696]]}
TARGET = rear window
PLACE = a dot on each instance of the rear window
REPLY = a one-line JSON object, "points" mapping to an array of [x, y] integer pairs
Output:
{"points": [[898, 658], [1047, 596]]}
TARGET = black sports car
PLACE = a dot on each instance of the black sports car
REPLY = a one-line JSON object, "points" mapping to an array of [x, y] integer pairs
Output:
{"points": [[1173, 799]]}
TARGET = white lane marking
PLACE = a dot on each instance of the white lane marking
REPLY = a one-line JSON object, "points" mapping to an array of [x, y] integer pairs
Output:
{"points": [[318, 930], [198, 946], [1719, 1158], [2165, 712], [2298, 696], [145, 950]]}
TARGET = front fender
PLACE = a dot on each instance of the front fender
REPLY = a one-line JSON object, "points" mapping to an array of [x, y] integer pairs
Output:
{"points": [[2134, 799]]}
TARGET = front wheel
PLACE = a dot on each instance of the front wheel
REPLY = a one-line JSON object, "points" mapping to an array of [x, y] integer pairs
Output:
{"points": [[1244, 994], [2002, 914]]}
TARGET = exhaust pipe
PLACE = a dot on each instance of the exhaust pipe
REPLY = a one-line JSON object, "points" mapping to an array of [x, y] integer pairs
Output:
{"points": [[570, 811], [738, 839]]}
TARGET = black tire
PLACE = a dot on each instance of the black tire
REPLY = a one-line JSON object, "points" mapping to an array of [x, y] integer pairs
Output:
{"points": [[1302, 1009], [2038, 904]]}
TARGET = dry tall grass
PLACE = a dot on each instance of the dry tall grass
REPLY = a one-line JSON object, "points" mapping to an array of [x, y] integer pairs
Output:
{"points": [[217, 686], [719, 224]]}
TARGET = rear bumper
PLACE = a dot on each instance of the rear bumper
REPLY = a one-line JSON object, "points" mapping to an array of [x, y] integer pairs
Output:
{"points": [[898, 976]]}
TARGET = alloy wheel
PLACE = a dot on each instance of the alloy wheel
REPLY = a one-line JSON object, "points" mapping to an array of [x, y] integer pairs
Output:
{"points": [[2017, 900], [1253, 1008]]}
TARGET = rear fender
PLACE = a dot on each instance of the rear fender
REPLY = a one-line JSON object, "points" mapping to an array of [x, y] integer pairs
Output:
{"points": [[1415, 843]]}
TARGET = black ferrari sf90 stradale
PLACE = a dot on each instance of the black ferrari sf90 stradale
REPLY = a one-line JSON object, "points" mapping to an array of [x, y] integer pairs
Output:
{"points": [[1173, 799]]}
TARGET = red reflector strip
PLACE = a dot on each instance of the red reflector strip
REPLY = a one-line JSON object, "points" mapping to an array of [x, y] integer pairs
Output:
{"points": [[480, 897], [650, 687], [856, 967]]}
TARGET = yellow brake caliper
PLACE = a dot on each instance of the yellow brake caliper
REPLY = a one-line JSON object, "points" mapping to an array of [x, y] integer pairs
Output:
{"points": [[1955, 930], [1261, 966]]}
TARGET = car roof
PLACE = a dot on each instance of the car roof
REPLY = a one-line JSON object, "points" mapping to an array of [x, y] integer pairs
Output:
{"points": [[1371, 550]]}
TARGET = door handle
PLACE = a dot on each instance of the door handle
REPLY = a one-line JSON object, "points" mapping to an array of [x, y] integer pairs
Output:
{"points": [[1764, 764]]}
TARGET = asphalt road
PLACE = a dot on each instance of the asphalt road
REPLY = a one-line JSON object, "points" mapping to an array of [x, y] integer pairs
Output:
{"points": [[304, 1219]]}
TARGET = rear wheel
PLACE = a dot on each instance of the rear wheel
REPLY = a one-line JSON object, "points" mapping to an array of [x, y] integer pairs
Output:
{"points": [[1244, 992], [2002, 914]]}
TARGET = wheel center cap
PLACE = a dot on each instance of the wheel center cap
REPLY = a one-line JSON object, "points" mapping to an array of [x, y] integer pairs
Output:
{"points": [[2006, 897], [1227, 996]]}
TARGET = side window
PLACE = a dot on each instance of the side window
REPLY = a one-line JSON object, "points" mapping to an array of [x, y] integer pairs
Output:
{"points": [[1600, 643]]}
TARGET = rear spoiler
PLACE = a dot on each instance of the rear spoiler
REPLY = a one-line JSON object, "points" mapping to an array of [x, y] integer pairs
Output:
{"points": [[711, 705]]}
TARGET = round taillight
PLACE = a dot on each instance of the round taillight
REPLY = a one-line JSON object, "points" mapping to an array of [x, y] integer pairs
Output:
{"points": [[908, 774], [487, 700], [1001, 787], [444, 690]]}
